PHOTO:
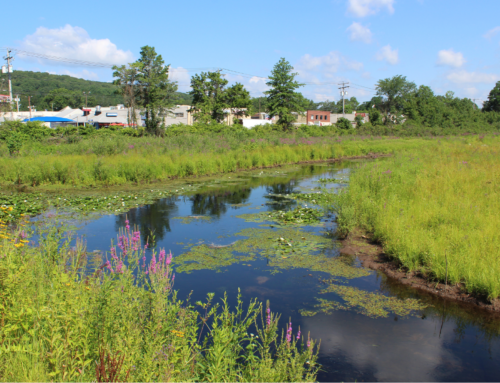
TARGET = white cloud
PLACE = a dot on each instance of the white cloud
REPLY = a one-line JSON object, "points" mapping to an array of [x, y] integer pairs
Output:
{"points": [[451, 58], [324, 72], [326, 65], [181, 75], [387, 54], [85, 74], [464, 77], [388, 358], [491, 33], [362, 8], [74, 43], [360, 33]]}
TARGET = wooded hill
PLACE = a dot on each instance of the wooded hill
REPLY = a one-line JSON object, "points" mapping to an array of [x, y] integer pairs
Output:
{"points": [[46, 89]]}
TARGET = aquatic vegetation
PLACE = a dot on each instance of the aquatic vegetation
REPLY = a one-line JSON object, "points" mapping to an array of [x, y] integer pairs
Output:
{"points": [[285, 248], [322, 197], [331, 180], [436, 210], [239, 205], [193, 218], [298, 216], [374, 305], [71, 319], [13, 206]]}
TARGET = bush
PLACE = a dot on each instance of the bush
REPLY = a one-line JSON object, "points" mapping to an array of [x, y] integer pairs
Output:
{"points": [[343, 124]]}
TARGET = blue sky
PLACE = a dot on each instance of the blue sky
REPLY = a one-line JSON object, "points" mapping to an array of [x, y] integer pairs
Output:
{"points": [[445, 44]]}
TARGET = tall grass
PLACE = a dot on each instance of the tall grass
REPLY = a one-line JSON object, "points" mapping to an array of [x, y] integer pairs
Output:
{"points": [[112, 161], [435, 209], [70, 316]]}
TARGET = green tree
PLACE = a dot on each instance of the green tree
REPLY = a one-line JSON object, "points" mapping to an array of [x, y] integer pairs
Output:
{"points": [[493, 103], [374, 116], [344, 124], [282, 99], [394, 91], [239, 100], [126, 77], [329, 106], [154, 92], [60, 98], [210, 99]]}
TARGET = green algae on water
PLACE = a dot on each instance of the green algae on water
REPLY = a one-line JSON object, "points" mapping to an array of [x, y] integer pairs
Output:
{"points": [[193, 218], [374, 305]]}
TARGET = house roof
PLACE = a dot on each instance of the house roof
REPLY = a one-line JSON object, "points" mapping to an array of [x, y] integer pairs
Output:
{"points": [[48, 119]]}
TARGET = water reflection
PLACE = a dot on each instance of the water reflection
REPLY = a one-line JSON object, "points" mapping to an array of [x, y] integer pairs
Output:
{"points": [[445, 341], [153, 220], [216, 204]]}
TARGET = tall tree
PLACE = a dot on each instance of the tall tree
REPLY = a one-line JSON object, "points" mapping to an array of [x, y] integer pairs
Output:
{"points": [[394, 91], [493, 103], [155, 93], [282, 98], [209, 97], [239, 100], [60, 98], [126, 77]]}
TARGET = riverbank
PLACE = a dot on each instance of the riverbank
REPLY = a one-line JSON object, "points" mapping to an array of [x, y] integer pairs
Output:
{"points": [[372, 255], [142, 162], [436, 211]]}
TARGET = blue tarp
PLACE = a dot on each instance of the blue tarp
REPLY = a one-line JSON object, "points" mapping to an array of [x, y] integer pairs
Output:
{"points": [[48, 119]]}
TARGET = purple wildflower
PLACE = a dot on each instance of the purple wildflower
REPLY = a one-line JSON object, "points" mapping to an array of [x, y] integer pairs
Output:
{"points": [[268, 320], [169, 259], [289, 333], [298, 335]]}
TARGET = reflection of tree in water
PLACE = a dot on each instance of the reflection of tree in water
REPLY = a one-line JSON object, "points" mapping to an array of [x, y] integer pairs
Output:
{"points": [[281, 203], [151, 219], [462, 316], [215, 204]]}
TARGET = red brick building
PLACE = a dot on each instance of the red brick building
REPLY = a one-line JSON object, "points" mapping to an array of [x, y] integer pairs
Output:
{"points": [[314, 116]]}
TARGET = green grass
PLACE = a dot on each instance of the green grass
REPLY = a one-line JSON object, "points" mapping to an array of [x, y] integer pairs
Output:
{"points": [[435, 209], [68, 315], [106, 161]]}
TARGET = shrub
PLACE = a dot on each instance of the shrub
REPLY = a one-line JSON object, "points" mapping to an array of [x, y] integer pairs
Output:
{"points": [[343, 124]]}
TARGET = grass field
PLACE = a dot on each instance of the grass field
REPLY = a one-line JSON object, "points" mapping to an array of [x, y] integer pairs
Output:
{"points": [[435, 209], [120, 160]]}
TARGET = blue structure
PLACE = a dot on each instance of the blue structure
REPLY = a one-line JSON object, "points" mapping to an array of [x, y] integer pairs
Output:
{"points": [[48, 119]]}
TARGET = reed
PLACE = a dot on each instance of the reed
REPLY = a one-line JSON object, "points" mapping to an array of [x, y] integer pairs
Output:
{"points": [[111, 161], [435, 209]]}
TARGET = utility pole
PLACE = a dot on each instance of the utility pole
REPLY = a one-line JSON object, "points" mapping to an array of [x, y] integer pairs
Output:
{"points": [[86, 94], [343, 92], [8, 69], [29, 105], [17, 102]]}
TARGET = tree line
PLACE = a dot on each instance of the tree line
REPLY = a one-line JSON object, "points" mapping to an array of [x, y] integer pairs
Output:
{"points": [[145, 86]]}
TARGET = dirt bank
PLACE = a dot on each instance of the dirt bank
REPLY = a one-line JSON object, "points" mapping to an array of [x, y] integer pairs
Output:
{"points": [[371, 255]]}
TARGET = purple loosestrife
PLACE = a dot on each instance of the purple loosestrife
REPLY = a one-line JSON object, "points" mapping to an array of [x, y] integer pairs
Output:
{"points": [[169, 259], [161, 258], [268, 319], [119, 267], [298, 334], [143, 262], [152, 265], [127, 224], [289, 332]]}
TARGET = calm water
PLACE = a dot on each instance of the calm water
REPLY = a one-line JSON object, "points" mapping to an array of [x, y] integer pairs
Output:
{"points": [[442, 342]]}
